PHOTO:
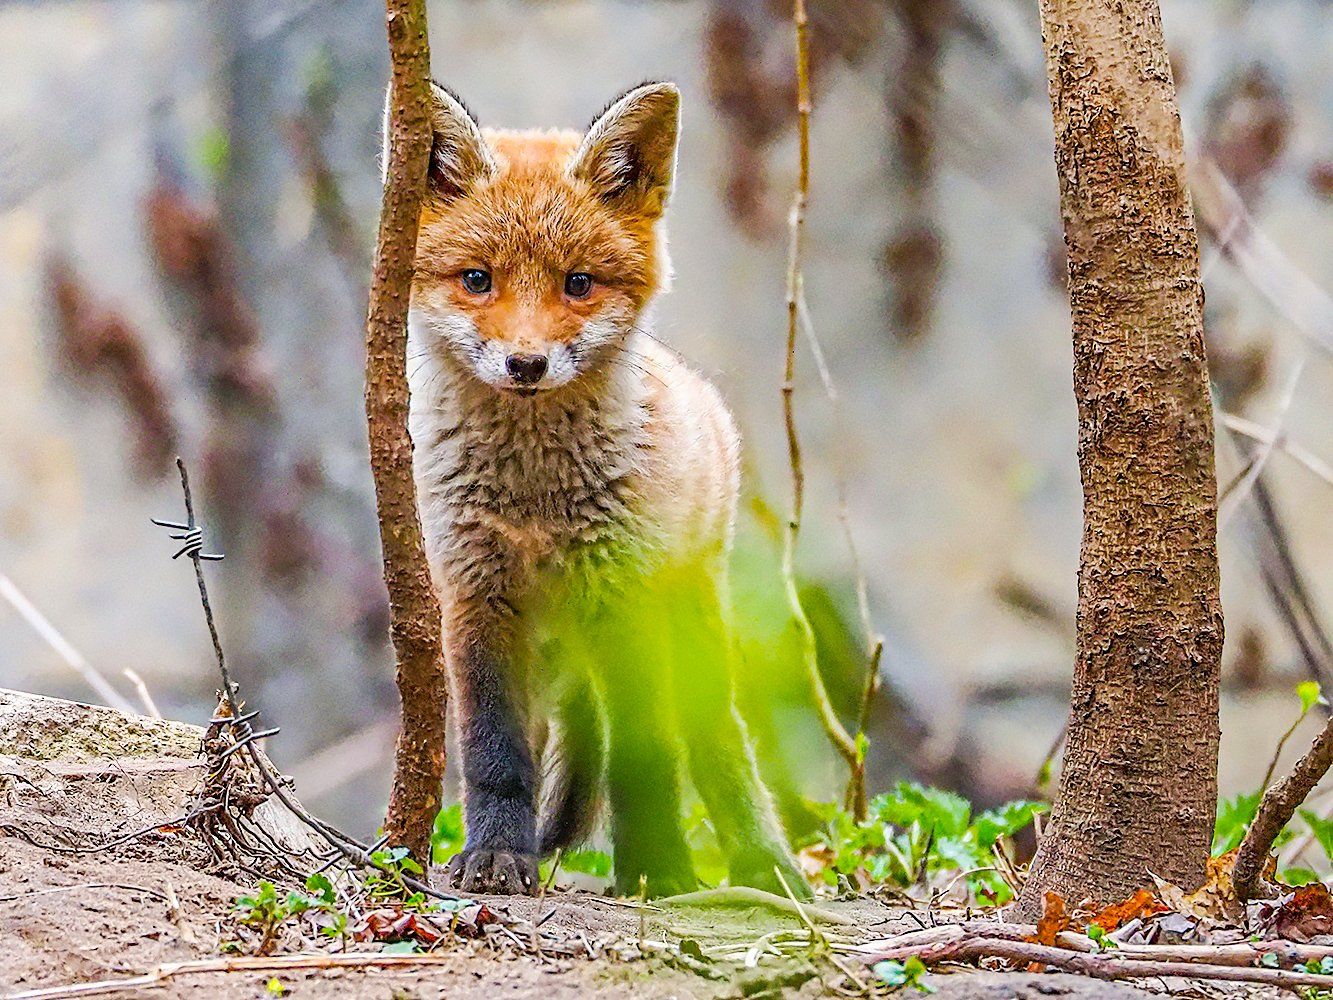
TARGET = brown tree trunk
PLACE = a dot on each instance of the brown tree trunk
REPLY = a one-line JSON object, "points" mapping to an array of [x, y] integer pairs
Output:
{"points": [[414, 607], [1138, 789]]}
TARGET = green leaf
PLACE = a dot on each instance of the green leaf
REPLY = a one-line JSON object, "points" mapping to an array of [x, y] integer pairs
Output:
{"points": [[862, 747], [322, 886], [1269, 960], [275, 988], [1322, 829], [1234, 817], [943, 812], [1298, 876], [214, 151], [1009, 819], [890, 972], [400, 948], [1310, 695]]}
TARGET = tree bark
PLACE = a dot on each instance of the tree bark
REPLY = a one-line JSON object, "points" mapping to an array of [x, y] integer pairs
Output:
{"points": [[414, 606], [1138, 789]]}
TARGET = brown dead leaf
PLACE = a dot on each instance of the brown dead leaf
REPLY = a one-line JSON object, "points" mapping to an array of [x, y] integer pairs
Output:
{"points": [[1141, 905], [1054, 919], [1307, 913], [1214, 901]]}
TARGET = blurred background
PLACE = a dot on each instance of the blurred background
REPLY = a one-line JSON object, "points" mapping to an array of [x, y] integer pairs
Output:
{"points": [[188, 196]]}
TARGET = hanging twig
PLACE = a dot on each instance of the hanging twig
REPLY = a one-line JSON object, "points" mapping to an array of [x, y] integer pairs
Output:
{"points": [[874, 641], [833, 727]]}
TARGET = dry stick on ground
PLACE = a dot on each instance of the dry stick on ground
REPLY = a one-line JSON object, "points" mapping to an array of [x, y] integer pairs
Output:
{"points": [[833, 727], [1149, 626], [414, 607], [1276, 808], [1098, 965]]}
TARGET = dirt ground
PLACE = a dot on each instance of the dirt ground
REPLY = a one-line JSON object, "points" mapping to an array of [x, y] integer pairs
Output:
{"points": [[66, 920], [74, 775]]}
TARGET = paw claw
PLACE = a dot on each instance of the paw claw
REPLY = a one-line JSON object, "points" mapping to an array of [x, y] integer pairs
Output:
{"points": [[495, 871]]}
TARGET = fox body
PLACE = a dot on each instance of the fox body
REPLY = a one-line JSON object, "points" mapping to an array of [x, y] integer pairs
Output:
{"points": [[577, 485]]}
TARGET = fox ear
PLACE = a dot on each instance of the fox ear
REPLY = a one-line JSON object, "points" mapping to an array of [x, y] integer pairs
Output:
{"points": [[459, 155], [629, 153]]}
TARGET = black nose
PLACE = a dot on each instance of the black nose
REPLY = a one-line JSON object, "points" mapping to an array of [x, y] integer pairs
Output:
{"points": [[526, 369]]}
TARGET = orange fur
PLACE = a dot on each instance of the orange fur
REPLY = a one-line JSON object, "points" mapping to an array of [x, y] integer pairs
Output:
{"points": [[530, 226]]}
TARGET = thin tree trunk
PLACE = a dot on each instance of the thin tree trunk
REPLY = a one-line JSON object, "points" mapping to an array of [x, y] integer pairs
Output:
{"points": [[414, 607], [1139, 784]]}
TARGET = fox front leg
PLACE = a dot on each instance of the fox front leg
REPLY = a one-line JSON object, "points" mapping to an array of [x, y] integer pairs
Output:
{"points": [[499, 781]]}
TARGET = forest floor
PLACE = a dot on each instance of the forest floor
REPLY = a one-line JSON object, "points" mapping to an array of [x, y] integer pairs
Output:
{"points": [[84, 898], [91, 918]]}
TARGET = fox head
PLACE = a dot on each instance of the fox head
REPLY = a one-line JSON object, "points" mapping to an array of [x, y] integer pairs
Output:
{"points": [[538, 251]]}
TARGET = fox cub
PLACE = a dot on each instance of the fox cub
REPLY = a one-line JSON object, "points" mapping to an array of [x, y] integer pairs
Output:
{"points": [[578, 485]]}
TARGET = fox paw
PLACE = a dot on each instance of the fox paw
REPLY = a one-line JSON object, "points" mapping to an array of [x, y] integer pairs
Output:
{"points": [[506, 873]]}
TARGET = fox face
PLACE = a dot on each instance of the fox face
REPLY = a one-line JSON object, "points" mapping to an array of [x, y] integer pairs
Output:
{"points": [[538, 251]]}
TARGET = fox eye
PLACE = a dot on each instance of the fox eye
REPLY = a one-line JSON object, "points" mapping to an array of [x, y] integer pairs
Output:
{"points": [[476, 281], [578, 285]]}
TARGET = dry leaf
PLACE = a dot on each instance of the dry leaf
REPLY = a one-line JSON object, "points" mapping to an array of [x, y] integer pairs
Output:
{"points": [[1306, 913], [1214, 901], [1139, 906]]}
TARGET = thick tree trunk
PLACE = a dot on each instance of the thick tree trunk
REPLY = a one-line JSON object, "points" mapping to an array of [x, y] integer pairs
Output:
{"points": [[1139, 784], [414, 607]]}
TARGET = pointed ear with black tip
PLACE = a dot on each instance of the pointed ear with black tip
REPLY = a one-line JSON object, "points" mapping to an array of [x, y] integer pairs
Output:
{"points": [[459, 156], [629, 153]]}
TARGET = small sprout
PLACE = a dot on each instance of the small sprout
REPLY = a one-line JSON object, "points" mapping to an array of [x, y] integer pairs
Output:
{"points": [[899, 974], [1100, 938], [275, 988]]}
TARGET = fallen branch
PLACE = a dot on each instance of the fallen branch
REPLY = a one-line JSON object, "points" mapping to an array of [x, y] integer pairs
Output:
{"points": [[1079, 954]]}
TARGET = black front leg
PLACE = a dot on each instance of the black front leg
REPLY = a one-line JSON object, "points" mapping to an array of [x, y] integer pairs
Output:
{"points": [[499, 780]]}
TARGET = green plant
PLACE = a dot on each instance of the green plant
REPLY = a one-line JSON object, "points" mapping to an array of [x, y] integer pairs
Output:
{"points": [[913, 833], [910, 973], [267, 912], [385, 883]]}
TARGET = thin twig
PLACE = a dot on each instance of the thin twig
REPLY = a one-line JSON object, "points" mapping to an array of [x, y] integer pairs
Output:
{"points": [[1110, 965], [141, 688], [874, 640], [1232, 496], [85, 885], [837, 734], [52, 637], [1281, 745], [1280, 440]]}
